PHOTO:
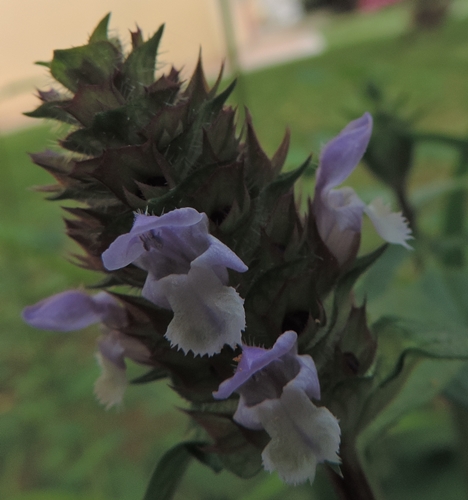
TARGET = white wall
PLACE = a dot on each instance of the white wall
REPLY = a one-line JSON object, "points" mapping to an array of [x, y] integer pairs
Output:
{"points": [[31, 29]]}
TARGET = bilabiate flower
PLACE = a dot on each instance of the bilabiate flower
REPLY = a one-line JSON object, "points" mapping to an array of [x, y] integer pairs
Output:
{"points": [[74, 310], [187, 273], [339, 212], [276, 387]]}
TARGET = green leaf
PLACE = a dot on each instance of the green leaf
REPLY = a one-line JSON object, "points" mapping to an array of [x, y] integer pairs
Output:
{"points": [[170, 470], [283, 288], [404, 376], [138, 69], [184, 151], [238, 448], [92, 64], [53, 110], [47, 64], [391, 149], [414, 362], [268, 200], [91, 100], [151, 376], [348, 280], [192, 182], [100, 32], [381, 274], [360, 266], [457, 389], [454, 216], [270, 487], [448, 140], [400, 338], [284, 182], [428, 193], [438, 295], [109, 129], [418, 384]]}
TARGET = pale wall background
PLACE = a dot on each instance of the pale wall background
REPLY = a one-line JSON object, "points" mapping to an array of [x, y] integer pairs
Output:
{"points": [[266, 31], [31, 29]]}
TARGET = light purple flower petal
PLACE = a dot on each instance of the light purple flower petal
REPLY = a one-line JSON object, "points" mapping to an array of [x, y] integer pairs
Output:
{"points": [[130, 246], [114, 347], [253, 359], [113, 315], [111, 349], [73, 310], [289, 370], [219, 255], [347, 208], [341, 155], [338, 215], [338, 212]]}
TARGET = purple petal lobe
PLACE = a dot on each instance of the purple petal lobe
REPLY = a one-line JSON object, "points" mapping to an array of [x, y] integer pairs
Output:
{"points": [[74, 310], [64, 312], [341, 155], [338, 213], [128, 247], [254, 359], [220, 255]]}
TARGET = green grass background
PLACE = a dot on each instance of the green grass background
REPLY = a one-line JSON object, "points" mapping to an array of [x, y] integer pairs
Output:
{"points": [[56, 442]]}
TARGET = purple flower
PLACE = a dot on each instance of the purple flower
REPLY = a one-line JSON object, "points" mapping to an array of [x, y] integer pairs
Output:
{"points": [[114, 347], [338, 212], [187, 273], [74, 310], [276, 387]]}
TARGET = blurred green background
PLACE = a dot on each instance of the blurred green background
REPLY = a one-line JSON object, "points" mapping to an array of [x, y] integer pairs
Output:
{"points": [[56, 442]]}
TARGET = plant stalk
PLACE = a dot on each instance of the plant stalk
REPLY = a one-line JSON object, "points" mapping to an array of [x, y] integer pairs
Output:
{"points": [[354, 484]]}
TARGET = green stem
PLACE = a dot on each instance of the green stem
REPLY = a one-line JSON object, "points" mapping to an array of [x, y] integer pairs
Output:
{"points": [[354, 484], [460, 419], [454, 219]]}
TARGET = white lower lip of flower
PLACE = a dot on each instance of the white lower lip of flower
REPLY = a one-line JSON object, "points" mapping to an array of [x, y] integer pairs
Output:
{"points": [[302, 436], [207, 314], [391, 226], [110, 387]]}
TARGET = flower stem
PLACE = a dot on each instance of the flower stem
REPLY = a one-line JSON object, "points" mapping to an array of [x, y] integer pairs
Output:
{"points": [[354, 484]]}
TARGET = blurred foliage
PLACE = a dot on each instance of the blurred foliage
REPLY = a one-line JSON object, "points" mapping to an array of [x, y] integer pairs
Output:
{"points": [[58, 444]]}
